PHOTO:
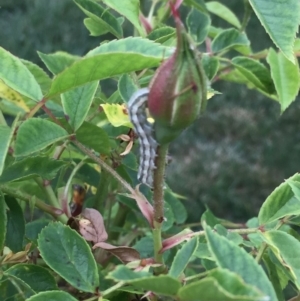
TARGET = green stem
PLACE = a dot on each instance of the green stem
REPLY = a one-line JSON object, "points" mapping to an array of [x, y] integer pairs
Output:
{"points": [[65, 201], [59, 150], [46, 186], [157, 242], [151, 10], [239, 231], [165, 15], [261, 251], [37, 202], [119, 220], [102, 191], [112, 288], [264, 245], [200, 275], [158, 203]]}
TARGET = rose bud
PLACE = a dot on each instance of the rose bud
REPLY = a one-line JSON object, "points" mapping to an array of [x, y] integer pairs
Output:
{"points": [[178, 89]]}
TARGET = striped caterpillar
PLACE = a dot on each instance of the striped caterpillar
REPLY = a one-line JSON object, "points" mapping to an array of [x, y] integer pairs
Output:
{"points": [[137, 113]]}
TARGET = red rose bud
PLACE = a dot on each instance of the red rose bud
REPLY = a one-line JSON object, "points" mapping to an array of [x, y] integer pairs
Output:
{"points": [[178, 89]]}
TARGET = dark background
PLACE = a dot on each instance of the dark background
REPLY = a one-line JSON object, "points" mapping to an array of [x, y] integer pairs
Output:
{"points": [[231, 159]]}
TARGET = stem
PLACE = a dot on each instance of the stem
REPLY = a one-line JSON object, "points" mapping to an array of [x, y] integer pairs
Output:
{"points": [[47, 188], [37, 202], [158, 183], [36, 108], [65, 201], [239, 231], [113, 288], [261, 251], [264, 245], [200, 275], [59, 150], [119, 220], [157, 242], [151, 10], [104, 166], [92, 298], [165, 15], [51, 115], [158, 203], [102, 191]]}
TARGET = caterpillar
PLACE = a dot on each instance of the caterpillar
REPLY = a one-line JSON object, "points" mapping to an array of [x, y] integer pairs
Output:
{"points": [[144, 129]]}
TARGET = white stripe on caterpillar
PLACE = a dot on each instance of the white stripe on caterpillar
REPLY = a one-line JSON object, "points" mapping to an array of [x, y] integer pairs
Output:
{"points": [[137, 113]]}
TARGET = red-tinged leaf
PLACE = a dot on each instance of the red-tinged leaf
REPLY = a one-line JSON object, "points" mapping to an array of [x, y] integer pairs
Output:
{"points": [[145, 207], [125, 254], [92, 227], [176, 239]]}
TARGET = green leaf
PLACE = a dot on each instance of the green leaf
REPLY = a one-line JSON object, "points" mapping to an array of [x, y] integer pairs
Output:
{"points": [[286, 248], [284, 275], [135, 45], [52, 296], [110, 59], [295, 188], [162, 34], [179, 210], [220, 285], [297, 45], [68, 254], [94, 137], [234, 284], [37, 277], [145, 247], [281, 21], [44, 167], [130, 9], [94, 27], [170, 220], [6, 135], [36, 134], [286, 77], [115, 115], [126, 87], [15, 75], [223, 12], [255, 72], [209, 218], [3, 221], [15, 225], [39, 74], [230, 256], [162, 284], [202, 251], [198, 25], [274, 277], [77, 102], [229, 38], [101, 16], [14, 289], [33, 229], [182, 257], [198, 4], [210, 65], [58, 61], [281, 202]]}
